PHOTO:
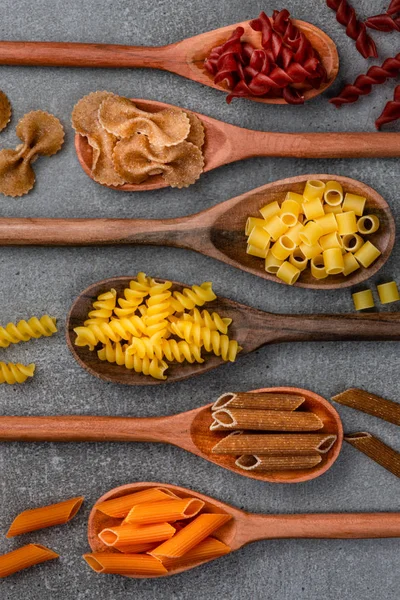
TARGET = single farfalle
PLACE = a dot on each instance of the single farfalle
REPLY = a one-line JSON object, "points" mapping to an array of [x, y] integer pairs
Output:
{"points": [[85, 121], [5, 111], [196, 133], [42, 135]]}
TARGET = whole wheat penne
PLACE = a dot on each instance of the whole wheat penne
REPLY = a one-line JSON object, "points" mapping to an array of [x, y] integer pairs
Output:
{"points": [[45, 516], [374, 448], [163, 511], [191, 535], [251, 462], [238, 443], [119, 507], [259, 401], [24, 557], [125, 564], [208, 549], [124, 535], [267, 420], [215, 426], [370, 404]]}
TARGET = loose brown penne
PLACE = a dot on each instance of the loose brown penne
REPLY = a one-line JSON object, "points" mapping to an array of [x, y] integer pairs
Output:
{"points": [[45, 516], [127, 535], [259, 401], [374, 448], [125, 564], [238, 443], [370, 404], [208, 549], [251, 462], [164, 511], [24, 557], [267, 420], [120, 507]]}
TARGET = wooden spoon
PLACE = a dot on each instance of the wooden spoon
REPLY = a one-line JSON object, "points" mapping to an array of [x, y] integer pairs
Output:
{"points": [[252, 328], [217, 232], [186, 58], [245, 528], [189, 430], [225, 143]]}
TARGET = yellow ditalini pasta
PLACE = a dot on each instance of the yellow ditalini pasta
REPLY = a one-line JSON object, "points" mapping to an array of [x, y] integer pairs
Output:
{"points": [[328, 223], [290, 211], [253, 222], [318, 269], [283, 247], [368, 224], [314, 189], [45, 516], [12, 373], [313, 209], [270, 210], [330, 240], [388, 292], [26, 330], [333, 193], [120, 507], [352, 242], [354, 202], [254, 251], [298, 259], [275, 227], [311, 233], [310, 251], [288, 273], [125, 564], [363, 299], [333, 261], [350, 264], [272, 264], [164, 511], [259, 238], [347, 222], [367, 254], [294, 233], [24, 557]]}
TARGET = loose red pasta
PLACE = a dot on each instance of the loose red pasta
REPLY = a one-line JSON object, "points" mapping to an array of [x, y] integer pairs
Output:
{"points": [[355, 29], [391, 112], [363, 84], [388, 21]]}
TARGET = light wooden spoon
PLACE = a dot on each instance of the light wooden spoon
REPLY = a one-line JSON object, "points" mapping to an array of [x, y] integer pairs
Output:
{"points": [[186, 58], [245, 528], [217, 232], [189, 430], [225, 143], [252, 328]]}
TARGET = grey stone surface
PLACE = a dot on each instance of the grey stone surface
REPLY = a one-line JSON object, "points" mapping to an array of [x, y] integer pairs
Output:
{"points": [[39, 280]]}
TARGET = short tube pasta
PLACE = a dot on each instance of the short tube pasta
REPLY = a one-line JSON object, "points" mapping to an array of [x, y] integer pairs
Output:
{"points": [[354, 202], [367, 254], [253, 222], [347, 222], [311, 233], [331, 240], [125, 564], [290, 212], [283, 247], [328, 223], [254, 251], [363, 300], [318, 269], [259, 238], [45, 516], [333, 193], [24, 557], [313, 209], [350, 264], [120, 507], [282, 444], [272, 264], [333, 261], [310, 251], [267, 420], [294, 233], [259, 401], [288, 273], [164, 511], [314, 189], [368, 224], [299, 198], [270, 210], [352, 242], [388, 292], [250, 462], [298, 260], [275, 227]]}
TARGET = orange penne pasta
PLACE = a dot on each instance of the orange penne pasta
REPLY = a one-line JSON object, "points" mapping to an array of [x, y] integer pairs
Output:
{"points": [[120, 507], [24, 557], [208, 549], [191, 535], [136, 548], [124, 535], [125, 564], [45, 516], [167, 510]]}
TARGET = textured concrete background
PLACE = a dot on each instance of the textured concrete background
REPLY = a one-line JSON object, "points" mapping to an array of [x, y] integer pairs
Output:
{"points": [[35, 281]]}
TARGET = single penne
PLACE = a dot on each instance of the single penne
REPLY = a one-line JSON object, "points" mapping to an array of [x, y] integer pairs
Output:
{"points": [[267, 420], [260, 401], [238, 443], [24, 557], [125, 564], [136, 548], [370, 404], [191, 535], [208, 549], [251, 462], [126, 535], [45, 516], [215, 426], [374, 448], [120, 507], [165, 510]]}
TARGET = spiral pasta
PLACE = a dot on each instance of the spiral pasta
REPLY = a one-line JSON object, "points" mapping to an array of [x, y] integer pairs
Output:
{"points": [[134, 295], [15, 372], [212, 341], [197, 295], [25, 330], [102, 308], [205, 319], [115, 353]]}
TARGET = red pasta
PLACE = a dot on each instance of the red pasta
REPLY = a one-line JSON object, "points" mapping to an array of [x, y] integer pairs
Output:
{"points": [[355, 29], [363, 84], [388, 21], [285, 60], [391, 112]]}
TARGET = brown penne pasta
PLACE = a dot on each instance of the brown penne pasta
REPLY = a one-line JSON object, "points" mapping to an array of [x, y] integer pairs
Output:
{"points": [[238, 443], [258, 401], [251, 462], [374, 448], [267, 420], [370, 404], [215, 426]]}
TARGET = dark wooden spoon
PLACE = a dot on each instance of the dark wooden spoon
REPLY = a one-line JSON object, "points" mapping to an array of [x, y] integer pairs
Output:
{"points": [[225, 143], [252, 328], [245, 528], [186, 58], [217, 232], [189, 430]]}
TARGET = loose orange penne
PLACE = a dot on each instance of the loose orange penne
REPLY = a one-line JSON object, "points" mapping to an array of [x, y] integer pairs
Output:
{"points": [[167, 510], [123, 535], [45, 516], [208, 549], [125, 564], [24, 557], [191, 535], [120, 507]]}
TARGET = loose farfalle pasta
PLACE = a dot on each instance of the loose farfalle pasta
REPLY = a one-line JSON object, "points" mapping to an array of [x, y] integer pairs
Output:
{"points": [[24, 331], [45, 516], [5, 111], [12, 373], [24, 557], [42, 135]]}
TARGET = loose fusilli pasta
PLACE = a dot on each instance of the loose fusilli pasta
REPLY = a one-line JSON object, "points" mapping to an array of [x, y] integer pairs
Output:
{"points": [[355, 29], [15, 372], [25, 330]]}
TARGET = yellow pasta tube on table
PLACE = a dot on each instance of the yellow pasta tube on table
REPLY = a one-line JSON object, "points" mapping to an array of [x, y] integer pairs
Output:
{"points": [[332, 209], [12, 373], [333, 261], [120, 507], [272, 264], [164, 511], [368, 224], [125, 534], [270, 210], [310, 251], [125, 564], [299, 198], [275, 227], [254, 251], [350, 264], [298, 259], [331, 240], [294, 233], [388, 292], [367, 254], [253, 222], [363, 300], [346, 222], [333, 193], [45, 516], [290, 210], [313, 209], [318, 270], [355, 203], [314, 189], [328, 223], [288, 273], [311, 234], [283, 247], [352, 242], [24, 557], [191, 535], [206, 550], [259, 238]]}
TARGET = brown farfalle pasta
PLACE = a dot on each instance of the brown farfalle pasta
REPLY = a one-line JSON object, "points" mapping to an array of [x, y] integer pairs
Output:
{"points": [[375, 449], [196, 133], [5, 110], [85, 121], [42, 135]]}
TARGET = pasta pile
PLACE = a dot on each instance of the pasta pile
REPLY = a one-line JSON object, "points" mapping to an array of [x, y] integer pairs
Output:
{"points": [[130, 145], [149, 326], [157, 531], [247, 414], [320, 229]]}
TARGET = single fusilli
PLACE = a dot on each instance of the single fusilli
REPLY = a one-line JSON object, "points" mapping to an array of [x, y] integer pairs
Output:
{"points": [[115, 353], [25, 330], [15, 372]]}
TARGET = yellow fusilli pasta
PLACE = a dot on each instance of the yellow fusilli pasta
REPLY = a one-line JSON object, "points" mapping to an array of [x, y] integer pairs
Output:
{"points": [[15, 372], [102, 308], [115, 353], [25, 330]]}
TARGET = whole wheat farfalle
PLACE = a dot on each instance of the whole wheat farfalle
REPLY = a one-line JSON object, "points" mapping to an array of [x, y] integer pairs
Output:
{"points": [[42, 135], [196, 133], [5, 110]]}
